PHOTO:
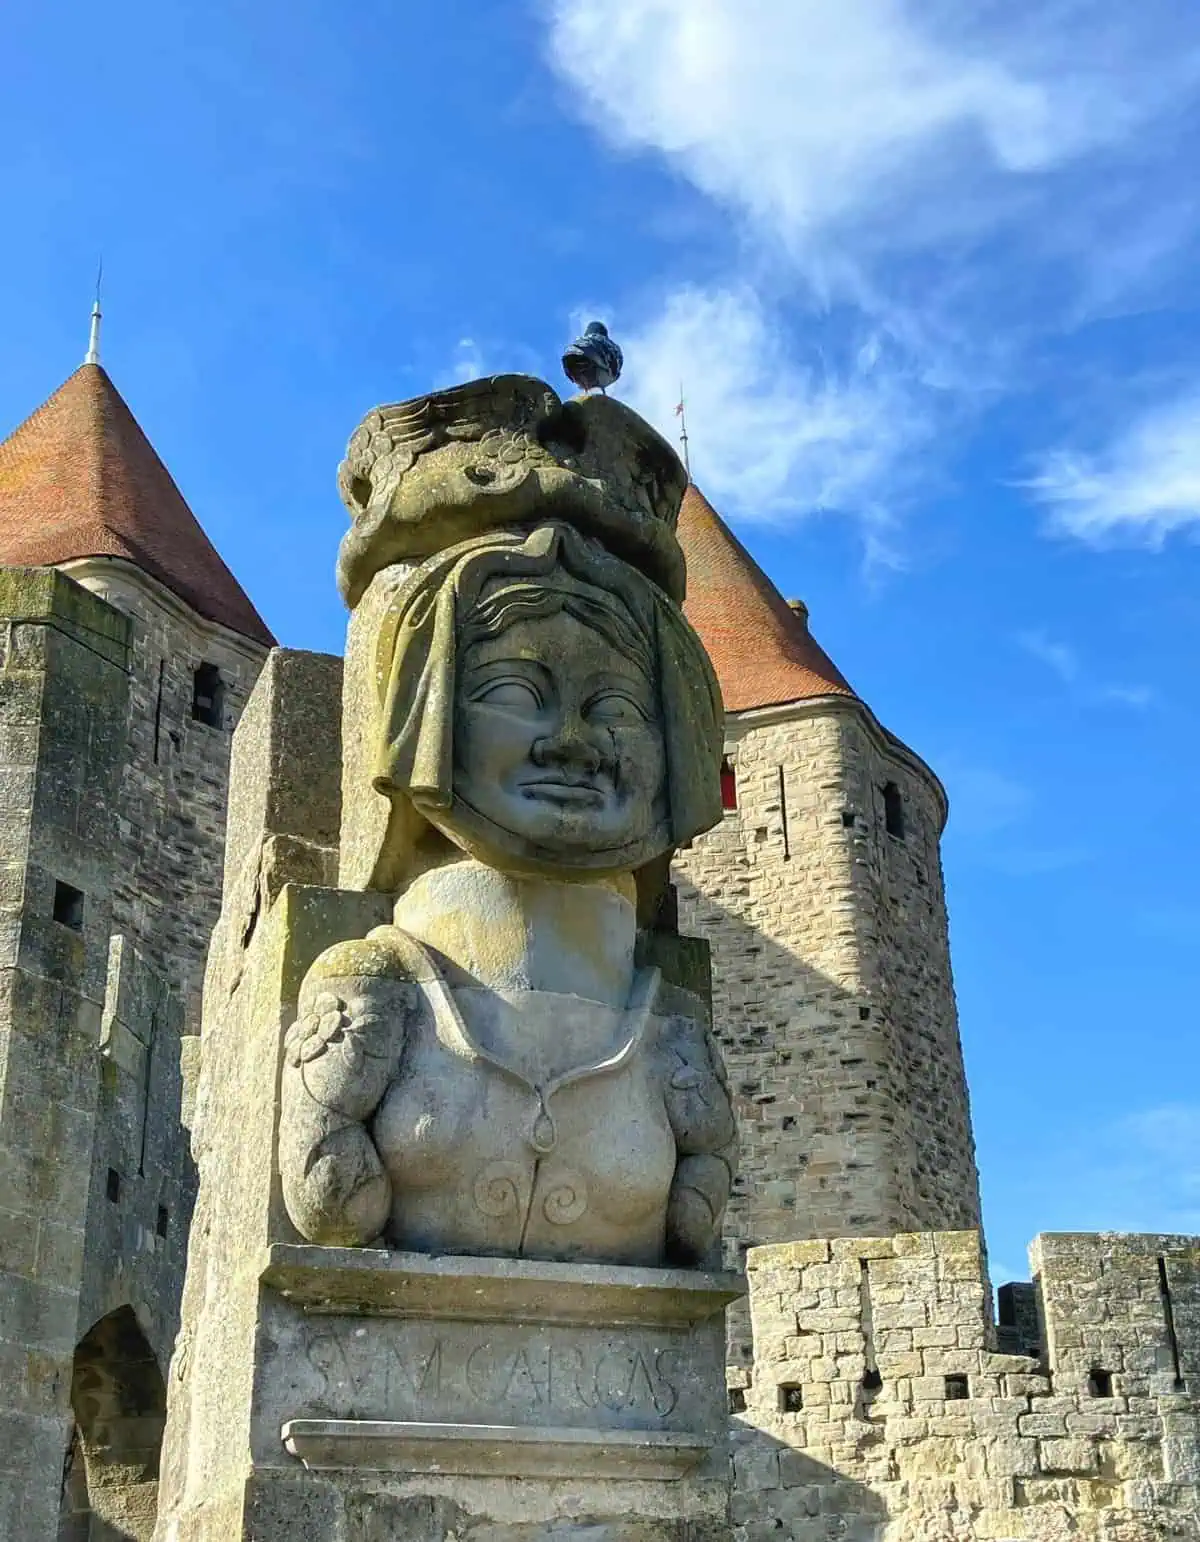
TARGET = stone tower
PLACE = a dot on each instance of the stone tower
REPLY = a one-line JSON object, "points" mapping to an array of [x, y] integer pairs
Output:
{"points": [[821, 896], [127, 650]]}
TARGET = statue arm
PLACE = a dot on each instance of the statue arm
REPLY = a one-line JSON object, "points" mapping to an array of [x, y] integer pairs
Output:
{"points": [[339, 1057], [701, 1115]]}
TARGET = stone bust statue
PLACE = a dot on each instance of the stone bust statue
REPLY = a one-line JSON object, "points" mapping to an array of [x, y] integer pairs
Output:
{"points": [[492, 1073]]}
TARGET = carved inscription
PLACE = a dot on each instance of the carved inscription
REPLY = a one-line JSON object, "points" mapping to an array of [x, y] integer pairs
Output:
{"points": [[421, 1372]]}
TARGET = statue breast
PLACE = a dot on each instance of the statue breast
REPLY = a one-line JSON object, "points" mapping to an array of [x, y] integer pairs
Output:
{"points": [[541, 1131]]}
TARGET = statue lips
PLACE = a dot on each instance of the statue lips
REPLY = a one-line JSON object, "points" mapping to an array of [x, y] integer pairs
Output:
{"points": [[555, 789]]}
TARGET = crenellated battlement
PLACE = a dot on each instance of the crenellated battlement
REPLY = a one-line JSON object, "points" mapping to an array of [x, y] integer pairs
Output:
{"points": [[878, 1392]]}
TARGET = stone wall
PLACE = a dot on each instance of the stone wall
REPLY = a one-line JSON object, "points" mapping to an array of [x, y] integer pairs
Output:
{"points": [[175, 784], [832, 988], [878, 1407], [63, 698], [113, 830]]}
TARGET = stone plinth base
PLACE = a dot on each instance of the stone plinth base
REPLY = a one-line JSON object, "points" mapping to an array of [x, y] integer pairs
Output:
{"points": [[521, 1393]]}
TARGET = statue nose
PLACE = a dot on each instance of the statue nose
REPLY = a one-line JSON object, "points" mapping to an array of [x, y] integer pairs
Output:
{"points": [[569, 745]]}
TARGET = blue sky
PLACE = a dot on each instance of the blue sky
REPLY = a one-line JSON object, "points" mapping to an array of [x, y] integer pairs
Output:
{"points": [[929, 274]]}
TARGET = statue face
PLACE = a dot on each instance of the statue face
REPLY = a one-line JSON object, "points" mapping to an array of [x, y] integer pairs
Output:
{"points": [[557, 740]]}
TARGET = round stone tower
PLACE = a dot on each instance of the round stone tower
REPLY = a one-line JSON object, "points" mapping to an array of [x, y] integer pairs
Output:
{"points": [[821, 896]]}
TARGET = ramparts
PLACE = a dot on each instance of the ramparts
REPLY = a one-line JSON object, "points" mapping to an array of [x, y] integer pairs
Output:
{"points": [[879, 1406]]}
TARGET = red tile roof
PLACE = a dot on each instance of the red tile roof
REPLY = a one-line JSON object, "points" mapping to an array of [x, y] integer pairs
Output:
{"points": [[760, 646], [80, 479]]}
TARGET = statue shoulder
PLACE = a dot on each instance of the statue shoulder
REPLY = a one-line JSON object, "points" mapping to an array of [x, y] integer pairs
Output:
{"points": [[385, 954]]}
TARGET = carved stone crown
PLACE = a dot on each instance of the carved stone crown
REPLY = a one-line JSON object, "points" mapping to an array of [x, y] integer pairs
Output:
{"points": [[423, 475]]}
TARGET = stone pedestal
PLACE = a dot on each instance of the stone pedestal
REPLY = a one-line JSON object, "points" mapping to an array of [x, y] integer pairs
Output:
{"points": [[363, 1394], [409, 1378]]}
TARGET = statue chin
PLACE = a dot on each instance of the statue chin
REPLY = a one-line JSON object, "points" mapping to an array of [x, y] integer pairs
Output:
{"points": [[524, 856]]}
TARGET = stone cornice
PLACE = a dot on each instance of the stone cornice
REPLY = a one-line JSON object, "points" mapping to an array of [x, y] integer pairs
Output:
{"points": [[98, 572], [739, 724]]}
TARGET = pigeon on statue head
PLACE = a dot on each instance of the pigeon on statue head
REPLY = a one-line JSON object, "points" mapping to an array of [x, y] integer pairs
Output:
{"points": [[593, 360]]}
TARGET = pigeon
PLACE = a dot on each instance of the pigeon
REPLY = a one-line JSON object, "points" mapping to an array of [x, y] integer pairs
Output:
{"points": [[593, 359]]}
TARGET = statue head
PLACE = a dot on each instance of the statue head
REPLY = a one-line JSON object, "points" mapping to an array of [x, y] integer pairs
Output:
{"points": [[546, 707]]}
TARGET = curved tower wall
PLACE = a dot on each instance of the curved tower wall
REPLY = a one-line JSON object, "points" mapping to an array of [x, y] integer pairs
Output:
{"points": [[833, 997]]}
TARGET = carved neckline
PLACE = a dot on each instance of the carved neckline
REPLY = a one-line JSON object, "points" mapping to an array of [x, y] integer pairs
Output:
{"points": [[453, 1031]]}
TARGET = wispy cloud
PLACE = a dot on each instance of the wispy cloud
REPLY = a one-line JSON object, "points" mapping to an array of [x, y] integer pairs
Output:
{"points": [[847, 129], [1139, 489], [467, 363], [993, 823], [983, 801], [1064, 661], [1143, 1169], [951, 179], [773, 435]]}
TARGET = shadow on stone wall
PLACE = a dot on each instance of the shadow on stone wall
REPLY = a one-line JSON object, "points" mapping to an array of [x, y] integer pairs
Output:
{"points": [[817, 1088], [119, 1401], [783, 1493]]}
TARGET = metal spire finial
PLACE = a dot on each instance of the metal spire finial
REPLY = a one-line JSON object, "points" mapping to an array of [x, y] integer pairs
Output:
{"points": [[681, 414], [93, 354]]}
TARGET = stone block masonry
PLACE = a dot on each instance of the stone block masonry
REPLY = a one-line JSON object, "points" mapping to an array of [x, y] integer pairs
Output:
{"points": [[63, 698], [113, 789], [878, 1406], [821, 897], [175, 776]]}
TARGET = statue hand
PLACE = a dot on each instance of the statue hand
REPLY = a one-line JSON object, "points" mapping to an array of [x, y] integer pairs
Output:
{"points": [[339, 1056], [695, 1207], [696, 1094], [347, 1040]]}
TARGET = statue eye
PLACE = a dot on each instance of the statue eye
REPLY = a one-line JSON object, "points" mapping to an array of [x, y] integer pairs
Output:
{"points": [[615, 707], [510, 691]]}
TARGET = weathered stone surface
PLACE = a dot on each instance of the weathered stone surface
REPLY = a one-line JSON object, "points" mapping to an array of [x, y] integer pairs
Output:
{"points": [[545, 713], [832, 993], [503, 452], [293, 1333], [947, 1444], [113, 815]]}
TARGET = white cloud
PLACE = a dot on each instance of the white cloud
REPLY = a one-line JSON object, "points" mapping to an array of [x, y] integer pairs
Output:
{"points": [[1145, 1170], [771, 435], [1141, 488], [1063, 660], [1137, 696], [953, 179], [983, 801], [842, 126], [468, 363]]}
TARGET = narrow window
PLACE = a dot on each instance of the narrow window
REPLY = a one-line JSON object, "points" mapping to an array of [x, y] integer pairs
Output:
{"points": [[208, 696], [737, 1400], [112, 1186], [68, 906], [847, 819], [893, 811], [728, 785], [158, 706], [163, 1222], [957, 1387], [871, 1381], [783, 815], [791, 1398], [1099, 1383], [1164, 1290]]}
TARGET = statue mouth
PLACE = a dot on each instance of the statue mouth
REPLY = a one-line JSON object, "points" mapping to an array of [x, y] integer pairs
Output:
{"points": [[558, 790]]}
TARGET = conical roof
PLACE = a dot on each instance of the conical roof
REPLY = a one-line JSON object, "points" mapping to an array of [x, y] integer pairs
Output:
{"points": [[80, 479], [760, 645]]}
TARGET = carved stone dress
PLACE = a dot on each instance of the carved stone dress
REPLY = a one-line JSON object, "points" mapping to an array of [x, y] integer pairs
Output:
{"points": [[523, 1123]]}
